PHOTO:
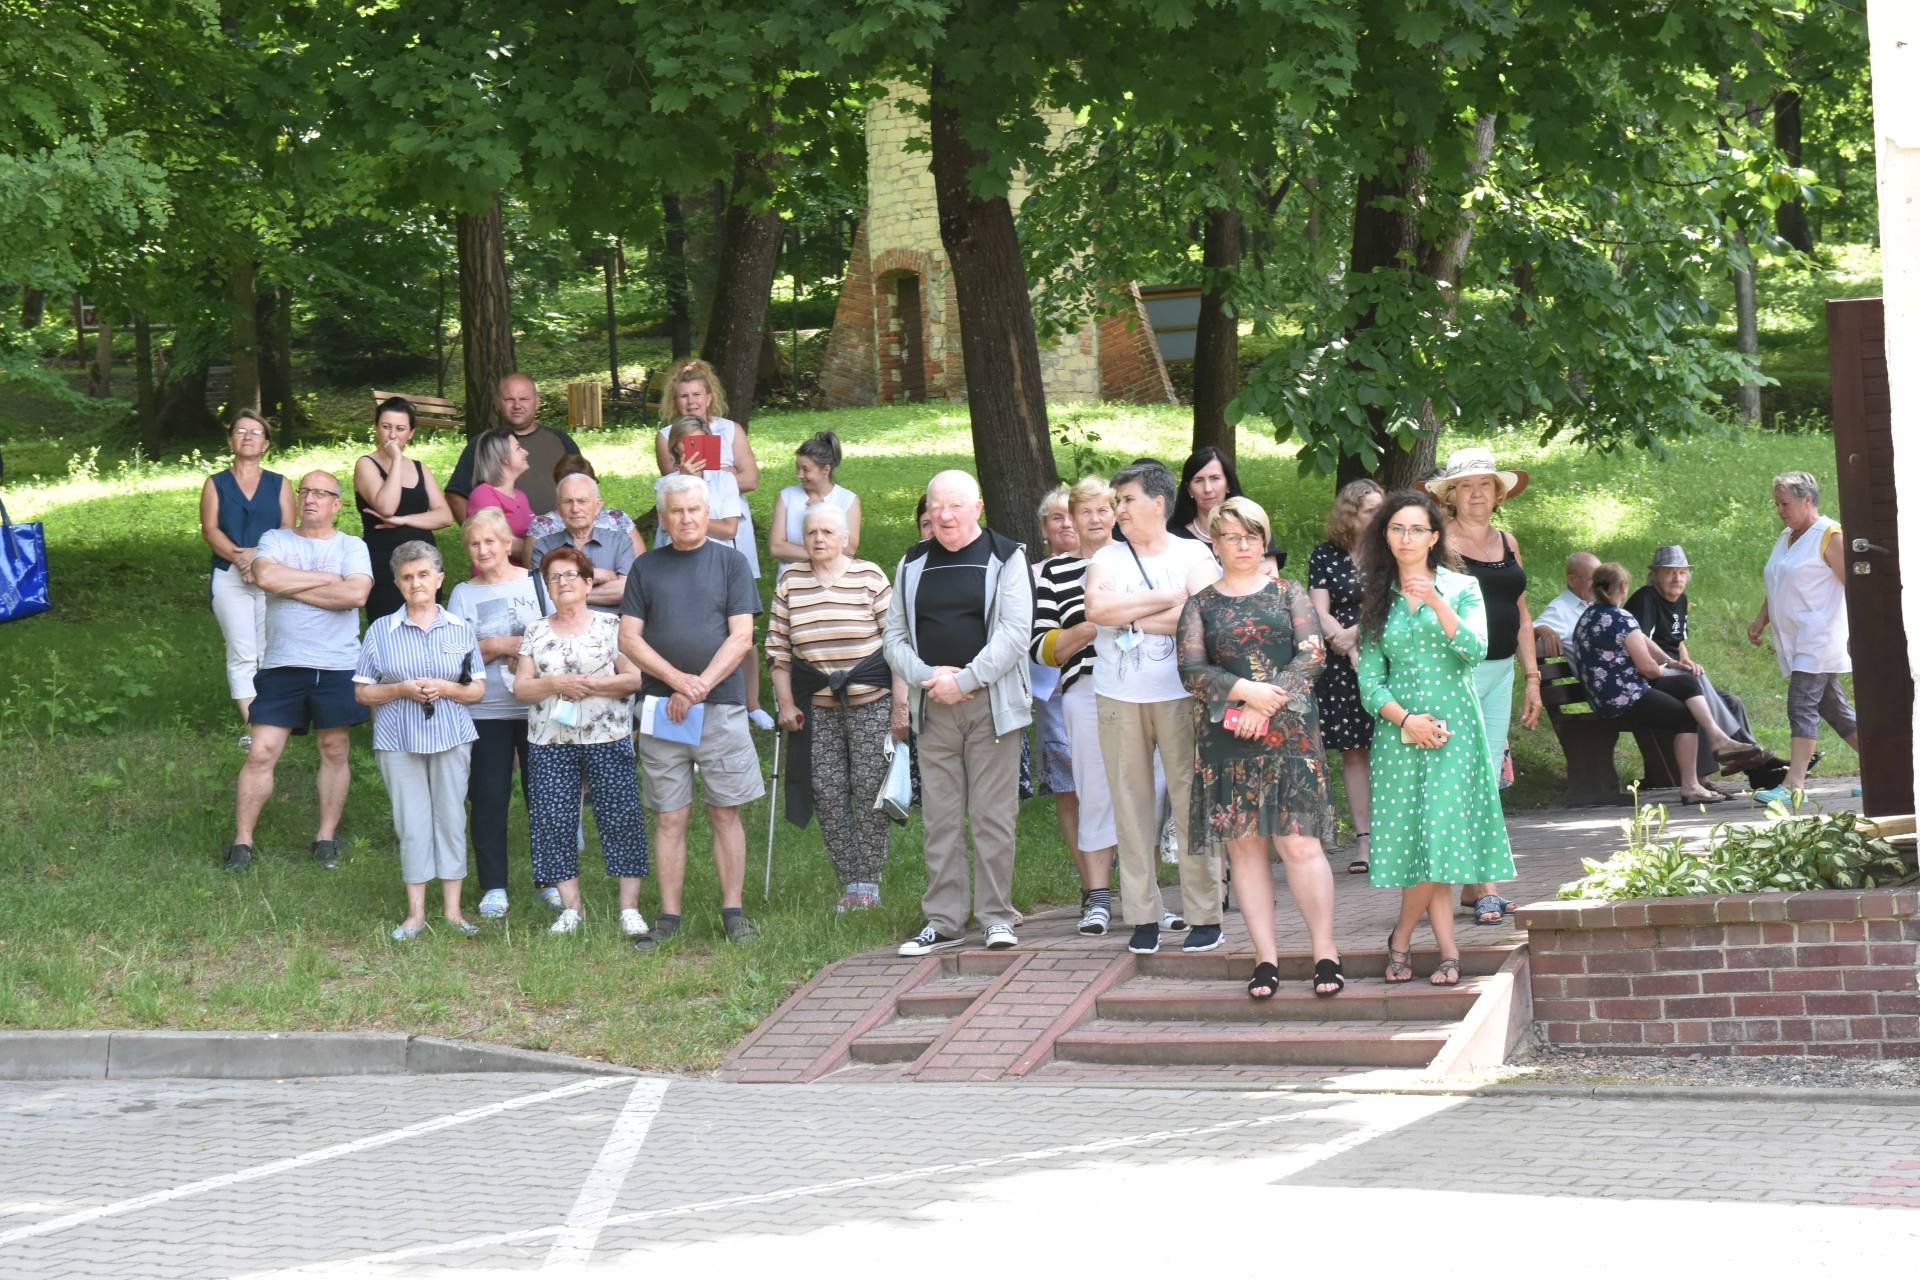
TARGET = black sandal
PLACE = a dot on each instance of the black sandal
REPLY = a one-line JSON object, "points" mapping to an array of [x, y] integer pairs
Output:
{"points": [[1359, 866], [1265, 975], [1328, 971], [1398, 960]]}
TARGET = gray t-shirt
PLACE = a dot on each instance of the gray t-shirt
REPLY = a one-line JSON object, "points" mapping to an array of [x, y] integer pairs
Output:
{"points": [[306, 635], [498, 609], [606, 550], [684, 599]]}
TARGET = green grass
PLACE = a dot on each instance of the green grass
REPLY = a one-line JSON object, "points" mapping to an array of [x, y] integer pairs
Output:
{"points": [[117, 753]]}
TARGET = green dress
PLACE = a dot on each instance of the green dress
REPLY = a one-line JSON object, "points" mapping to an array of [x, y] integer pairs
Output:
{"points": [[1276, 784], [1436, 812]]}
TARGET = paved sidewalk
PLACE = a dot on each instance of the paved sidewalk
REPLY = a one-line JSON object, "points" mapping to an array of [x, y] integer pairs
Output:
{"points": [[498, 1174]]}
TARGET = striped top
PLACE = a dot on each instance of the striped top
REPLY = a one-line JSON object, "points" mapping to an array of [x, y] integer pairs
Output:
{"points": [[1059, 602], [831, 628], [396, 649]]}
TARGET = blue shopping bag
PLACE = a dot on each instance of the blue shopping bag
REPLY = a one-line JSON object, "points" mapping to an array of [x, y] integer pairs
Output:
{"points": [[23, 568]]}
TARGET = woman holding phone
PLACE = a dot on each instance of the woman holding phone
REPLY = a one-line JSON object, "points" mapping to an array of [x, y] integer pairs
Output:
{"points": [[1436, 803]]}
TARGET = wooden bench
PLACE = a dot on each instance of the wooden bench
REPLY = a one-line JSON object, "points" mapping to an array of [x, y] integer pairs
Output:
{"points": [[1587, 740], [428, 411], [641, 397]]}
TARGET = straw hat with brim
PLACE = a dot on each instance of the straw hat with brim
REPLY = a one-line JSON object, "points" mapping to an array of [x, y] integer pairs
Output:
{"points": [[1476, 462]]}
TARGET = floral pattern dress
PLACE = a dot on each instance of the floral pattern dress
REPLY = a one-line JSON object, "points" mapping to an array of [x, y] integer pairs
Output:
{"points": [[1600, 655], [1436, 811], [1344, 723], [1274, 785]]}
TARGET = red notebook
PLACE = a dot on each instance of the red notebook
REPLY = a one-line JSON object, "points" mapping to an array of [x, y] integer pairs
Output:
{"points": [[705, 448]]}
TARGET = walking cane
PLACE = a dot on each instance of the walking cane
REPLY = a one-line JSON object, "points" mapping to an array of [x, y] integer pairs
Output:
{"points": [[773, 815]]}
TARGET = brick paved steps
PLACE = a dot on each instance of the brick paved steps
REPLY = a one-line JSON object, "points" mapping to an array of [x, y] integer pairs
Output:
{"points": [[1355, 962], [947, 996], [897, 1040], [1368, 1000], [1179, 1042]]}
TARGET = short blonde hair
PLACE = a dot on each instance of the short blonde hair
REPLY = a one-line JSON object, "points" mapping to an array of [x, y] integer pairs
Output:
{"points": [[491, 518], [1089, 490], [1059, 493], [1245, 512], [681, 429]]}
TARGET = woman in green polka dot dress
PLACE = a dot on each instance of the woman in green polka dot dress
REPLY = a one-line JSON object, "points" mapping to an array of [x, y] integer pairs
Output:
{"points": [[1436, 803]]}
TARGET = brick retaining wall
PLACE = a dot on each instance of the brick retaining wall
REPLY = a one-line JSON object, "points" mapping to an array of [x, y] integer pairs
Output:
{"points": [[1792, 973]]}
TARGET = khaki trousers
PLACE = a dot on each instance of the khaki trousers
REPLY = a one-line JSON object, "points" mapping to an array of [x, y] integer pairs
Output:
{"points": [[967, 775], [1129, 732]]}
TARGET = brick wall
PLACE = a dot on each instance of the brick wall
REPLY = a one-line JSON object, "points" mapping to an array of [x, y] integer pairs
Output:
{"points": [[1825, 973], [848, 374], [1131, 370]]}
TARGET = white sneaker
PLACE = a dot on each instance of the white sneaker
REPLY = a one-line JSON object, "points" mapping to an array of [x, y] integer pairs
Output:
{"points": [[569, 921], [929, 940], [1000, 937], [632, 923], [1094, 921], [493, 904], [1173, 921]]}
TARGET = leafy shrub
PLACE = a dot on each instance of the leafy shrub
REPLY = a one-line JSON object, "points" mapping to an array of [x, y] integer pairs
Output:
{"points": [[1823, 851]]}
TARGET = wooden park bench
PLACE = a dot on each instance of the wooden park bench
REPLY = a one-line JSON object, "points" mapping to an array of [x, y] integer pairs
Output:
{"points": [[428, 411], [1588, 739]]}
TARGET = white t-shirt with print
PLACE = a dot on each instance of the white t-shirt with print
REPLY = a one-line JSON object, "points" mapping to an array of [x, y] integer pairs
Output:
{"points": [[1148, 672]]}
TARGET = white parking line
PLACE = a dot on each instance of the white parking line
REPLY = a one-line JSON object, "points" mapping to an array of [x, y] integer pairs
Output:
{"points": [[268, 1170], [1375, 1117], [581, 1232]]}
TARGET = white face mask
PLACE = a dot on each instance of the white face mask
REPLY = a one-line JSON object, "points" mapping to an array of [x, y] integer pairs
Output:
{"points": [[1127, 640]]}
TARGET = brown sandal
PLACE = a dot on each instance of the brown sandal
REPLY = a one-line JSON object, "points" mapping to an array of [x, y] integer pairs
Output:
{"points": [[1398, 960]]}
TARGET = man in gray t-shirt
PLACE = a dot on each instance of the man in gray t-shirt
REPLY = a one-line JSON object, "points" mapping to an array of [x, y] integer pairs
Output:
{"points": [[316, 578], [687, 622]]}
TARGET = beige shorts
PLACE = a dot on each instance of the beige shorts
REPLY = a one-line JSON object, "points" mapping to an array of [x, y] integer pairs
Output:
{"points": [[729, 765]]}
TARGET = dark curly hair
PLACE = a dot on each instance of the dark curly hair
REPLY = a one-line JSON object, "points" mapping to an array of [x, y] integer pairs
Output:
{"points": [[1379, 571]]}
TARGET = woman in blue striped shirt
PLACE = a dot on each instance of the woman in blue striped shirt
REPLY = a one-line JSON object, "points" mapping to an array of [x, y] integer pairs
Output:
{"points": [[420, 669]]}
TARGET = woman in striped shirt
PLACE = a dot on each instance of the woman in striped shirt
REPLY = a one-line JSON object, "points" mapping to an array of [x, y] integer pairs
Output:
{"points": [[1063, 638], [838, 699]]}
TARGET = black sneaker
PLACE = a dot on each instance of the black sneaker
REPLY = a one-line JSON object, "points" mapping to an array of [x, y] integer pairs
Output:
{"points": [[1145, 940], [929, 940], [1205, 937], [327, 854], [238, 856]]}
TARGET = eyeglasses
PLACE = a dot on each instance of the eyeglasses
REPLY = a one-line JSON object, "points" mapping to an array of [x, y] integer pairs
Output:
{"points": [[1240, 539], [564, 575], [1405, 532], [319, 493]]}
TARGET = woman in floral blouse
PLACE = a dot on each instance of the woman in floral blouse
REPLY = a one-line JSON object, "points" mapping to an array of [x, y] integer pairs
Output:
{"points": [[1627, 683], [1249, 650]]}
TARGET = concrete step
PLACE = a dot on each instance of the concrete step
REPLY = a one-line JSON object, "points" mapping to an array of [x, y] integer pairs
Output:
{"points": [[976, 963], [1225, 1000], [1366, 963], [946, 996], [1185, 1043], [897, 1040]]}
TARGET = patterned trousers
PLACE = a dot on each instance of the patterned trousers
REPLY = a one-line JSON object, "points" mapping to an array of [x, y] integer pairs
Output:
{"points": [[849, 764], [555, 772]]}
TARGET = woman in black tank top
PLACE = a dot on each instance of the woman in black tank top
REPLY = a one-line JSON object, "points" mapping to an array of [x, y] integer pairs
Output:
{"points": [[398, 499]]}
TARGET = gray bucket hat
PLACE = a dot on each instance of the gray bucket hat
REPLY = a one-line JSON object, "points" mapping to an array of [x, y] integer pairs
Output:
{"points": [[1673, 557]]}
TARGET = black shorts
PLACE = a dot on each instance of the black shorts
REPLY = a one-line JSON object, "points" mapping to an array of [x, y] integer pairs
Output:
{"points": [[298, 697]]}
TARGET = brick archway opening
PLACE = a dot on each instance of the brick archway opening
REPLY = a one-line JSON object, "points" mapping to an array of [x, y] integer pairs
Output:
{"points": [[902, 337]]}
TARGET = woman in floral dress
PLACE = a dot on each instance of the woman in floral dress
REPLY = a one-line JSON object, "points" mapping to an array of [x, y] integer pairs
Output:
{"points": [[1436, 811], [1249, 651], [1334, 581]]}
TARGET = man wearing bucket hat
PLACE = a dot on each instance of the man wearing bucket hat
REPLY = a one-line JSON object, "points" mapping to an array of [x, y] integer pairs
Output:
{"points": [[1472, 487], [1661, 608]]}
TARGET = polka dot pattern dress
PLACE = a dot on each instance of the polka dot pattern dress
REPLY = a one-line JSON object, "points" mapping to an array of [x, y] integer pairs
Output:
{"points": [[1436, 813], [1344, 723]]}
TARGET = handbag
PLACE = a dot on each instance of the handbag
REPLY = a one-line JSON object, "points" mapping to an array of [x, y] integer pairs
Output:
{"points": [[896, 792], [23, 567]]}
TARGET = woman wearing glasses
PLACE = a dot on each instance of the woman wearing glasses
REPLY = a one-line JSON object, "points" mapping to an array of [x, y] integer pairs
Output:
{"points": [[1436, 803], [237, 506]]}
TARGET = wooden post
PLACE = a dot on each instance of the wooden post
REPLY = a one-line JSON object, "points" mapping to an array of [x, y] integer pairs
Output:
{"points": [[613, 325]]}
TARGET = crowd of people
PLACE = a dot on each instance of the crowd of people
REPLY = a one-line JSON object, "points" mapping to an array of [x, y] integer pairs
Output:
{"points": [[1185, 692]]}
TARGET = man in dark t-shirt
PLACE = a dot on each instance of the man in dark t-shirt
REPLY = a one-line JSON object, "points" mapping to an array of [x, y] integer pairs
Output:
{"points": [[687, 622], [518, 403]]}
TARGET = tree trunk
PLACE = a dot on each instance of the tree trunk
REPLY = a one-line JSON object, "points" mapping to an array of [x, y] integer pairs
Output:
{"points": [[704, 220], [100, 372], [486, 313], [679, 302], [143, 398], [33, 307], [1790, 219], [1747, 316], [277, 400], [440, 334], [243, 312], [749, 249], [1216, 350], [613, 323], [1005, 399], [1391, 240]]}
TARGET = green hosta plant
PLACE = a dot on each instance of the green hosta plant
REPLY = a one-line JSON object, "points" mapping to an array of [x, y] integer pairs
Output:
{"points": [[1822, 851]]}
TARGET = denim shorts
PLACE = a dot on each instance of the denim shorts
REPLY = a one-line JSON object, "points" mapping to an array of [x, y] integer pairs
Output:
{"points": [[298, 697]]}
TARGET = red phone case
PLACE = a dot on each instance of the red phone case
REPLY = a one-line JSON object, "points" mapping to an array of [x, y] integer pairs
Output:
{"points": [[707, 447], [1231, 720]]}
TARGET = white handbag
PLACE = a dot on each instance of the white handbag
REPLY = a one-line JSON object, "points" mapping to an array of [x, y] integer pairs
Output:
{"points": [[896, 793]]}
